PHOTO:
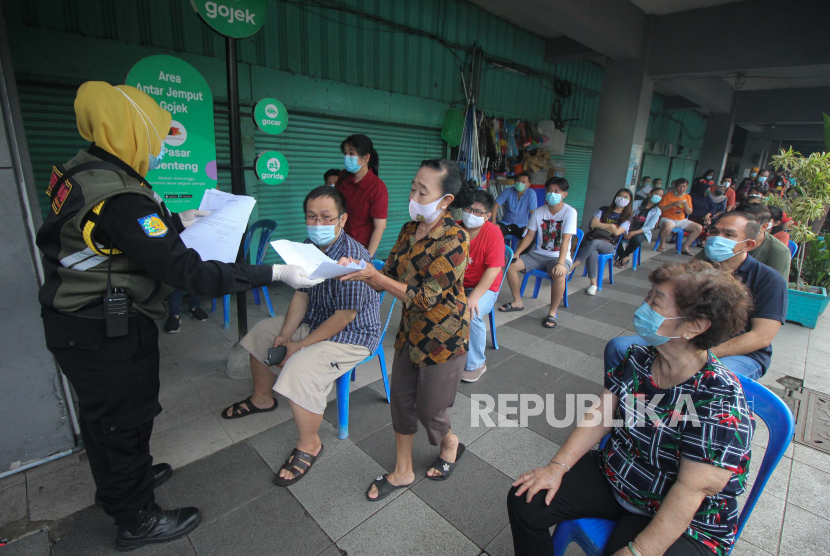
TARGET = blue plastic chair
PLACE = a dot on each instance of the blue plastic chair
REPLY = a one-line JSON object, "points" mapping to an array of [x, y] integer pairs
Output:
{"points": [[541, 275], [267, 227], [635, 257], [511, 241], [592, 534], [342, 383], [540, 195], [508, 258], [677, 236], [603, 260], [793, 248]]}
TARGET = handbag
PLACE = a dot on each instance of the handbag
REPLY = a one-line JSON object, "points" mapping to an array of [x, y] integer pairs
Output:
{"points": [[596, 234]]}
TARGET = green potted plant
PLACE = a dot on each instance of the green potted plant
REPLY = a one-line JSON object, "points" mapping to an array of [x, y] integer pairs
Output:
{"points": [[807, 202]]}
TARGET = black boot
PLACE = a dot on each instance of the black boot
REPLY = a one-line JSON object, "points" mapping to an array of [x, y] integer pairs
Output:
{"points": [[158, 526], [161, 472]]}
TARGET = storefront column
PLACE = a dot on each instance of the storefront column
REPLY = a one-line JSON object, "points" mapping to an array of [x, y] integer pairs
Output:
{"points": [[716, 144], [622, 122]]}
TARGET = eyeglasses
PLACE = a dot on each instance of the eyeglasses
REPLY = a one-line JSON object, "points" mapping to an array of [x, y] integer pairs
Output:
{"points": [[324, 220], [471, 210]]}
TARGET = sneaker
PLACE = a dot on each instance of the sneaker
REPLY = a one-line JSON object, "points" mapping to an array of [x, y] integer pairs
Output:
{"points": [[472, 376], [173, 324], [199, 314], [592, 290]]}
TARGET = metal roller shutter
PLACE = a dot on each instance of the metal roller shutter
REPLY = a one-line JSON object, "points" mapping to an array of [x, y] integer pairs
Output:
{"points": [[656, 166], [311, 144], [577, 166], [682, 168]]}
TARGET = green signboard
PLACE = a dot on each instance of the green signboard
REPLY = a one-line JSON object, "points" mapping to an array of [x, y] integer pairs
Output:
{"points": [[271, 167], [270, 116], [233, 18], [189, 167]]}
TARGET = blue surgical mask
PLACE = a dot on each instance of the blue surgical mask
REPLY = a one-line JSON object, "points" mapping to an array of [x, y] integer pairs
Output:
{"points": [[351, 163], [553, 199], [656, 199], [719, 249], [647, 322], [321, 235], [155, 161], [753, 174], [762, 179]]}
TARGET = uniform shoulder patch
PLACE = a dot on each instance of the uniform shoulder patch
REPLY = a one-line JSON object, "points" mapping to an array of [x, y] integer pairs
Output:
{"points": [[153, 225], [61, 195]]}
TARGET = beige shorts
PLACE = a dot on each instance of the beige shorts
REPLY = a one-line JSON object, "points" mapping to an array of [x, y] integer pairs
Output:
{"points": [[308, 376], [682, 224]]}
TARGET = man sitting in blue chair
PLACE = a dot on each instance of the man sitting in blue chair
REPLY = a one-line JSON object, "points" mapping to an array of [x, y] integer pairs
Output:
{"points": [[555, 222], [482, 278], [327, 330], [517, 203]]}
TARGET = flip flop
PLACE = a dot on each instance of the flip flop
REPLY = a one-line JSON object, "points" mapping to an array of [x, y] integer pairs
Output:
{"points": [[385, 488], [298, 463], [238, 411], [508, 308], [548, 319], [446, 468]]}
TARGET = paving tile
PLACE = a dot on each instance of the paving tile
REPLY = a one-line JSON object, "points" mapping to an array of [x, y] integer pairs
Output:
{"points": [[189, 441], [531, 325], [454, 498], [53, 465], [764, 525], [500, 380], [199, 352], [170, 372], [381, 447], [613, 312], [591, 368], [779, 481], [570, 383], [408, 526], [246, 427], [516, 339], [565, 358], [275, 445], [532, 372], [810, 489], [813, 458], [816, 375], [60, 493], [218, 391], [599, 329], [815, 342], [502, 544], [496, 357], [334, 492], [180, 403], [368, 412], [788, 359], [91, 532], [13, 504], [221, 482], [580, 341], [804, 533], [33, 544], [514, 450], [761, 438], [287, 529], [743, 548], [564, 420]]}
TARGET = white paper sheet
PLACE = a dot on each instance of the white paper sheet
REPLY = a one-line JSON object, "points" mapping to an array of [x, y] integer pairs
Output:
{"points": [[216, 237], [312, 260]]}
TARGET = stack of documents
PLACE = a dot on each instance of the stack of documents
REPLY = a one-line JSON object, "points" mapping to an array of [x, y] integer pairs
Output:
{"points": [[216, 237], [315, 263]]}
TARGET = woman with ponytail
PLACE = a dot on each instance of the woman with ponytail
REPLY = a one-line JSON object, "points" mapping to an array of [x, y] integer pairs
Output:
{"points": [[425, 270], [366, 195]]}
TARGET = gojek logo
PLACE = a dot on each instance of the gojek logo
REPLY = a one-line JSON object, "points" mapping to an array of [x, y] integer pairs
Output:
{"points": [[270, 116], [272, 167], [232, 18]]}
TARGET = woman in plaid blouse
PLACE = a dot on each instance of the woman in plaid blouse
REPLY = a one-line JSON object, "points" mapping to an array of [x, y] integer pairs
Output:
{"points": [[678, 452], [425, 270]]}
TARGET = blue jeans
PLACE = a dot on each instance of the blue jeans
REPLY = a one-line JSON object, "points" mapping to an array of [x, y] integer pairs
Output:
{"points": [[174, 302], [738, 364], [478, 331]]}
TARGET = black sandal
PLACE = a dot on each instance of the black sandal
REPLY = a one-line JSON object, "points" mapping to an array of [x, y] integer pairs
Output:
{"points": [[385, 488], [446, 468], [298, 463], [622, 263], [508, 308], [237, 411], [549, 319]]}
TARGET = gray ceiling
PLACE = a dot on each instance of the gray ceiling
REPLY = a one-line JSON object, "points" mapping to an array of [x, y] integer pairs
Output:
{"points": [[663, 7]]}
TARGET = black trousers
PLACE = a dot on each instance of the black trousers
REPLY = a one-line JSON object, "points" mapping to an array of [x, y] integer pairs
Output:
{"points": [[585, 492], [117, 384], [514, 230], [633, 244]]}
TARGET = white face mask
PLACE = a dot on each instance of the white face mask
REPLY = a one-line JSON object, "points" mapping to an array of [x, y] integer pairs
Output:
{"points": [[621, 202], [425, 213], [472, 221]]}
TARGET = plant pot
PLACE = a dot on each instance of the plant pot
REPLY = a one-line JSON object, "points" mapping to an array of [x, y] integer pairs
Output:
{"points": [[804, 307]]}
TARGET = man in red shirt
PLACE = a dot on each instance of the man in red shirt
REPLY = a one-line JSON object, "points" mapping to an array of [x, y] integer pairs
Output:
{"points": [[366, 197], [482, 278]]}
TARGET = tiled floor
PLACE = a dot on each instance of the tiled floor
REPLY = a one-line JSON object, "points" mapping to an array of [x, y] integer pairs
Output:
{"points": [[225, 467]]}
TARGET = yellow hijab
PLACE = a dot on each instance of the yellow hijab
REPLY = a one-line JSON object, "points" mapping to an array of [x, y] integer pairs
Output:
{"points": [[128, 130]]}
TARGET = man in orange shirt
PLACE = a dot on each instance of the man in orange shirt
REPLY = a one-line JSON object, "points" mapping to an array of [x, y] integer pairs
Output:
{"points": [[677, 206]]}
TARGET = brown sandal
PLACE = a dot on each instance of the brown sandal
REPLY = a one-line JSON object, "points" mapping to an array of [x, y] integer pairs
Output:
{"points": [[298, 463]]}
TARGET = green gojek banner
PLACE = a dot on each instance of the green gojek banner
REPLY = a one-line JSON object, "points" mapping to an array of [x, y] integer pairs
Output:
{"points": [[189, 167], [270, 116], [271, 167], [232, 18]]}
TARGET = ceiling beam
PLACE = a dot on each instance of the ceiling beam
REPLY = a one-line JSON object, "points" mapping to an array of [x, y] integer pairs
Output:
{"points": [[783, 106], [565, 49], [792, 133], [710, 93], [739, 37]]}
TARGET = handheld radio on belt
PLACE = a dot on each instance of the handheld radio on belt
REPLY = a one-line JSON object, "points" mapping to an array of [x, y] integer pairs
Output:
{"points": [[116, 307]]}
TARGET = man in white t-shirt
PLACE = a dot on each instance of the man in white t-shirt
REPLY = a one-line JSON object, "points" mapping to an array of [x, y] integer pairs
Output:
{"points": [[555, 225]]}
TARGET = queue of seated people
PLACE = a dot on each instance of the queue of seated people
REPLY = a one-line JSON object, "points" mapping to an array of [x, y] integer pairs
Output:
{"points": [[702, 320]]}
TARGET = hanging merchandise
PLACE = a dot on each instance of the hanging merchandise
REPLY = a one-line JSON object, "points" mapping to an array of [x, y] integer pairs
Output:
{"points": [[453, 127]]}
